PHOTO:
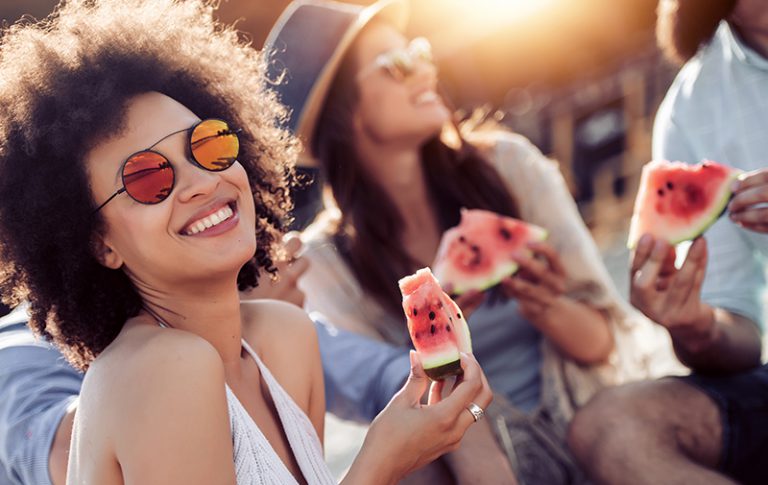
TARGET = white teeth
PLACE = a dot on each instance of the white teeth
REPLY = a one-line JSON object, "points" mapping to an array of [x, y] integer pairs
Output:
{"points": [[209, 221], [426, 97]]}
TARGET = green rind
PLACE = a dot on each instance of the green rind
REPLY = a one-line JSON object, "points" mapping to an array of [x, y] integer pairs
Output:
{"points": [[443, 371]]}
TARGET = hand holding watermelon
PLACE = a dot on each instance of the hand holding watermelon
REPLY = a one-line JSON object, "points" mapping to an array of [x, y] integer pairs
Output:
{"points": [[748, 206], [539, 282], [671, 296], [408, 434]]}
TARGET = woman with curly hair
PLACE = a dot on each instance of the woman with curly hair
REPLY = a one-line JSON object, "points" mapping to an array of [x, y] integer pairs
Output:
{"points": [[143, 180]]}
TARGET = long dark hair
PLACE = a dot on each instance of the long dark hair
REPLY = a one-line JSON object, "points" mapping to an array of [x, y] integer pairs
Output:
{"points": [[368, 234], [684, 26]]}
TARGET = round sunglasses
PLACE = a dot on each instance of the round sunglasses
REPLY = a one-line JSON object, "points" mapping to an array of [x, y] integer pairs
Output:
{"points": [[148, 176]]}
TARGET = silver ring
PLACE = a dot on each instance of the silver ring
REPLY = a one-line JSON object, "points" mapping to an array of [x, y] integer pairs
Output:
{"points": [[476, 411]]}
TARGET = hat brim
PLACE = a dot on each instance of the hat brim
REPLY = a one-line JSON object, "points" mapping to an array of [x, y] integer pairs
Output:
{"points": [[393, 11]]}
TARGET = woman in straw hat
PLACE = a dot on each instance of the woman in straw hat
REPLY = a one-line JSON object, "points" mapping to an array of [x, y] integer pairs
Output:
{"points": [[364, 100], [142, 181]]}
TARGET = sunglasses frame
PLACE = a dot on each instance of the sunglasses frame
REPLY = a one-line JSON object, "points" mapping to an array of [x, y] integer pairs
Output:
{"points": [[191, 159], [399, 63]]}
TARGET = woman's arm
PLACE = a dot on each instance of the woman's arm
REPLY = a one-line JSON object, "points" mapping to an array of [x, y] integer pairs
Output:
{"points": [[581, 315]]}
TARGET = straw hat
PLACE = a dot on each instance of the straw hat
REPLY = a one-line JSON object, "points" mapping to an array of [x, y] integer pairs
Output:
{"points": [[306, 46]]}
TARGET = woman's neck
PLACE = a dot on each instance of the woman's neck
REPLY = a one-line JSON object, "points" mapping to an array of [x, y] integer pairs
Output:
{"points": [[209, 311]]}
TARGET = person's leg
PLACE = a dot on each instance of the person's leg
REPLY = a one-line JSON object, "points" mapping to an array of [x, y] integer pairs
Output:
{"points": [[664, 431]]}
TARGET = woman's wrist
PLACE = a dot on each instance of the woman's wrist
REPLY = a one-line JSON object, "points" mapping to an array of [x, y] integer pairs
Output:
{"points": [[551, 316], [369, 468]]}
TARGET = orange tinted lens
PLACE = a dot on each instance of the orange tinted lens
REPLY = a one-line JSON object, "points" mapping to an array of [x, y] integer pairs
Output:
{"points": [[148, 177], [214, 145]]}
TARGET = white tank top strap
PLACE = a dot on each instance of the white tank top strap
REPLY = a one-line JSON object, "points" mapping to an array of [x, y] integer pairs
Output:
{"points": [[255, 460]]}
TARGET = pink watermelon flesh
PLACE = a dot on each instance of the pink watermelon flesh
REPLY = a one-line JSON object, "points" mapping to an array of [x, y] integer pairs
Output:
{"points": [[478, 253], [436, 325], [677, 202]]}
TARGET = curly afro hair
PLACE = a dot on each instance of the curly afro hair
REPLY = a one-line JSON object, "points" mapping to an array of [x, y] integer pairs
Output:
{"points": [[64, 84]]}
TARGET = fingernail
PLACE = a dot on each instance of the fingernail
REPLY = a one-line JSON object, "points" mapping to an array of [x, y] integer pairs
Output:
{"points": [[645, 240], [735, 185]]}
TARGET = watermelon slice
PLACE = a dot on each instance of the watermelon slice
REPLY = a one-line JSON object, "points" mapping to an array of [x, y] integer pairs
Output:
{"points": [[478, 253], [437, 326], [677, 202]]}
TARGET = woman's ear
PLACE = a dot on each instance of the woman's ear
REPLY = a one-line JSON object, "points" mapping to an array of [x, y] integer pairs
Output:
{"points": [[105, 253]]}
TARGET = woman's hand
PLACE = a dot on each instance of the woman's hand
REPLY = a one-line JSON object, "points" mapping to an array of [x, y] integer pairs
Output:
{"points": [[289, 270], [407, 434], [539, 283], [748, 208]]}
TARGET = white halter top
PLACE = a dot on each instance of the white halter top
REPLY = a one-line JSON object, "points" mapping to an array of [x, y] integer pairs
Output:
{"points": [[255, 460]]}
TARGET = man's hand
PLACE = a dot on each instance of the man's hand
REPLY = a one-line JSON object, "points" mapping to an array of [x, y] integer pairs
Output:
{"points": [[749, 207], [672, 297]]}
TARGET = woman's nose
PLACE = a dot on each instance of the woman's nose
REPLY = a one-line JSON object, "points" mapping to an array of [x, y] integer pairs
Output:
{"points": [[424, 70], [194, 181]]}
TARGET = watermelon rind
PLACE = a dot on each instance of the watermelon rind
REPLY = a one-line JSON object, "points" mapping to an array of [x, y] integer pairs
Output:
{"points": [[694, 229], [444, 371]]}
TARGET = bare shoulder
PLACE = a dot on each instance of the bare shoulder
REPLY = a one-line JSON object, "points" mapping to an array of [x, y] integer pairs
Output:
{"points": [[139, 397], [278, 323], [285, 339], [147, 368]]}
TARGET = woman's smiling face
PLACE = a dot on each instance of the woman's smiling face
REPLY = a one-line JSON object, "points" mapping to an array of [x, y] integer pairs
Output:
{"points": [[165, 243]]}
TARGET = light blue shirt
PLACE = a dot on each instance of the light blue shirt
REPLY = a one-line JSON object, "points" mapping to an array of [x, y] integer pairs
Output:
{"points": [[36, 388], [717, 109], [508, 348]]}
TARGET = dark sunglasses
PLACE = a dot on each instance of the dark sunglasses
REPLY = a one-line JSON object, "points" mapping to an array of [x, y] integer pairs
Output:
{"points": [[148, 176]]}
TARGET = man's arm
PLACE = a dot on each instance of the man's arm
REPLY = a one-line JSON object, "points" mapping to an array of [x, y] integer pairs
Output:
{"points": [[38, 394]]}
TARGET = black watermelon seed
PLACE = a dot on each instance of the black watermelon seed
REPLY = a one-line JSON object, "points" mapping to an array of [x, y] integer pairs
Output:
{"points": [[448, 328], [416, 335], [431, 315], [660, 192], [474, 248], [670, 185], [440, 304], [415, 312], [505, 234], [462, 239], [432, 329], [458, 315]]}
